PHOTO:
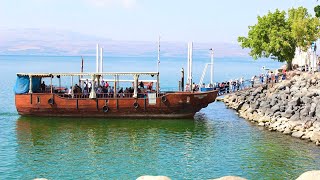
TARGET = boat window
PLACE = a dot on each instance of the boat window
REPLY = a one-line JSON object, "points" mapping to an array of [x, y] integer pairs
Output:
{"points": [[38, 99]]}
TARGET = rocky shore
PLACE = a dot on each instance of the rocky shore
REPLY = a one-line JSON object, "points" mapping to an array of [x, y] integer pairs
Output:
{"points": [[291, 106]]}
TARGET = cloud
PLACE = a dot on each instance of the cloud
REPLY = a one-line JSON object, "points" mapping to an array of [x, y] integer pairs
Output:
{"points": [[128, 4]]}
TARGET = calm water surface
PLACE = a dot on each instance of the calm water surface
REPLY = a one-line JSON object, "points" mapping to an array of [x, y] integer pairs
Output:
{"points": [[217, 143]]}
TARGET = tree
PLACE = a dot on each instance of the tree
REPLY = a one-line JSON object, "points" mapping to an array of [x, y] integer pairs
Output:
{"points": [[277, 34], [317, 11]]}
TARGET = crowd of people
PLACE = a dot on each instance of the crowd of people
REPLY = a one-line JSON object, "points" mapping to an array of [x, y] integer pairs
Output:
{"points": [[104, 90], [241, 84]]}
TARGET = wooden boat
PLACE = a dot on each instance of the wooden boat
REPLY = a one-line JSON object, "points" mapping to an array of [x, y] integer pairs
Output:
{"points": [[31, 100]]}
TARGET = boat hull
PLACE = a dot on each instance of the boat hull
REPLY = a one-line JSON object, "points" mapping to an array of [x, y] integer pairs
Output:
{"points": [[171, 105]]}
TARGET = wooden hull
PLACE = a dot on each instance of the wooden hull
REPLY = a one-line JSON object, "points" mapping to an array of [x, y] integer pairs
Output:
{"points": [[171, 105]]}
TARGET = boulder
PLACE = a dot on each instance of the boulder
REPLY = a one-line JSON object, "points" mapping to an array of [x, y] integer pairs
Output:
{"points": [[255, 105], [309, 175], [230, 178], [153, 178], [239, 106], [282, 87], [297, 134], [287, 131], [317, 112], [295, 102], [275, 108], [315, 136], [295, 117], [306, 100], [305, 111], [257, 91]]}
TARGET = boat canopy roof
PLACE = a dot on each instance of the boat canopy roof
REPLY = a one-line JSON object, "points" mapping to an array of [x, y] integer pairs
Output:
{"points": [[88, 74]]}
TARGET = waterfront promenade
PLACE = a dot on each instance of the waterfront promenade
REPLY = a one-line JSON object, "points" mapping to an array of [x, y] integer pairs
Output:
{"points": [[290, 106]]}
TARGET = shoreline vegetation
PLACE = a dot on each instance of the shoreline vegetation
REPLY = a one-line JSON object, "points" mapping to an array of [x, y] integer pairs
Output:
{"points": [[291, 106]]}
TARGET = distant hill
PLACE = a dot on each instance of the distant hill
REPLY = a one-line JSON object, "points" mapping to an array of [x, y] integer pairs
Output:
{"points": [[66, 43]]}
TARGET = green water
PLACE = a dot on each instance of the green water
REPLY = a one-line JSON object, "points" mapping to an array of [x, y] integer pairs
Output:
{"points": [[213, 145], [217, 143]]}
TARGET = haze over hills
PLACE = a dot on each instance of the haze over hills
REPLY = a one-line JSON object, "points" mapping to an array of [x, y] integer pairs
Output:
{"points": [[65, 43]]}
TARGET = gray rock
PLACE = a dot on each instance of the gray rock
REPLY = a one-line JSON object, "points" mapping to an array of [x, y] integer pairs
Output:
{"points": [[287, 131], [311, 94], [275, 109], [309, 175], [239, 106], [295, 117], [295, 102], [294, 89], [282, 87], [282, 108], [306, 100], [273, 102], [297, 134], [317, 112], [305, 111], [255, 105], [153, 178], [315, 136], [257, 91], [230, 178]]}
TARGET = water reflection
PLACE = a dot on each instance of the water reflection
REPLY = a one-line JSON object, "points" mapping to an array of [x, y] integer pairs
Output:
{"points": [[47, 145], [208, 147]]}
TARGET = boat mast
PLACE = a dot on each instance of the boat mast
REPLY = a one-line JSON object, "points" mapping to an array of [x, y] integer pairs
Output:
{"points": [[190, 48], [101, 62], [211, 81], [97, 59], [157, 85], [158, 54]]}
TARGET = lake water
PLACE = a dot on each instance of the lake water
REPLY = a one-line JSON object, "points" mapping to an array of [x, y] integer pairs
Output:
{"points": [[217, 143]]}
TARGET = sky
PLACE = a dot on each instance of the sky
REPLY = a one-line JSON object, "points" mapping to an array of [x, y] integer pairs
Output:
{"points": [[144, 20]]}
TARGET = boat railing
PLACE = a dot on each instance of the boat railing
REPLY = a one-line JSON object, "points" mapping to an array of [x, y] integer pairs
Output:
{"points": [[104, 95]]}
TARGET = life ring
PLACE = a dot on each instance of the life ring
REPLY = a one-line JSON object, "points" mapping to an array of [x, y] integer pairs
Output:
{"points": [[51, 101], [163, 98], [105, 109], [135, 105]]}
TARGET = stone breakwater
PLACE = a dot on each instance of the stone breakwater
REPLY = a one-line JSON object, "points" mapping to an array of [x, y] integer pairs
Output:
{"points": [[291, 106]]}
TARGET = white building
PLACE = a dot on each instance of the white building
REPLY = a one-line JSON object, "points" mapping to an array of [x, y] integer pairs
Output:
{"points": [[305, 58]]}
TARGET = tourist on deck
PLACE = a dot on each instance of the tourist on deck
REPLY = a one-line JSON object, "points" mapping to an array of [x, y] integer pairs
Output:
{"points": [[203, 85], [85, 89], [103, 83], [99, 92], [111, 92], [104, 91], [90, 87], [141, 85], [187, 88], [106, 84], [120, 92], [70, 94], [126, 92], [149, 87], [43, 87]]}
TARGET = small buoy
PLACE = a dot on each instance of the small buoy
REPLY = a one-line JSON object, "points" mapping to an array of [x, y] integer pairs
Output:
{"points": [[135, 105], [51, 101], [105, 109]]}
